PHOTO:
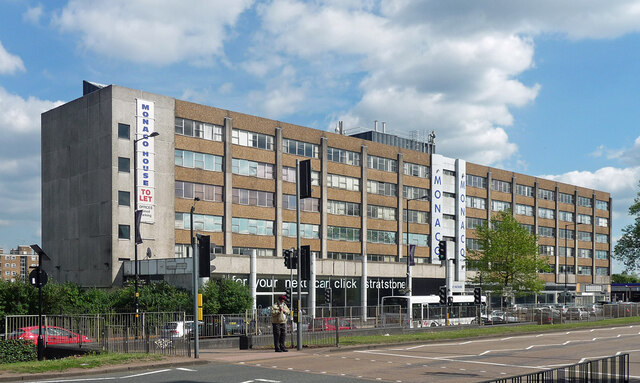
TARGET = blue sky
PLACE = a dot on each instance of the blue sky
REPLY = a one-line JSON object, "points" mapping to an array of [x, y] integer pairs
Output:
{"points": [[546, 88]]}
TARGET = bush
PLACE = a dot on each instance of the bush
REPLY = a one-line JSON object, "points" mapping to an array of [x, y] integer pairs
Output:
{"points": [[17, 350]]}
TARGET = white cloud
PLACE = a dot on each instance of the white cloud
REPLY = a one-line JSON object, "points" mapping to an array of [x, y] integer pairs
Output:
{"points": [[33, 14], [22, 115], [152, 32], [9, 63]]}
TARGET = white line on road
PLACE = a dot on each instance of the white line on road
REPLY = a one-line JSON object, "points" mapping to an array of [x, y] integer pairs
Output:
{"points": [[145, 373], [448, 359], [185, 369]]}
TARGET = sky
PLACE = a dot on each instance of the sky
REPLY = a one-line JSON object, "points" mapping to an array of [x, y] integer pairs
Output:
{"points": [[545, 88]]}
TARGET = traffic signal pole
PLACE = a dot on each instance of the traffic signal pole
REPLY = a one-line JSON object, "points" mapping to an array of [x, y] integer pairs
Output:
{"points": [[299, 332]]}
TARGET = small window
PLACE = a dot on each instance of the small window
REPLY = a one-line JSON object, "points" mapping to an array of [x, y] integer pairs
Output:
{"points": [[124, 198], [124, 165], [124, 131], [124, 231]]}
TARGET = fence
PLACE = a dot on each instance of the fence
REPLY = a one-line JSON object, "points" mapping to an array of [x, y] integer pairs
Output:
{"points": [[613, 369]]}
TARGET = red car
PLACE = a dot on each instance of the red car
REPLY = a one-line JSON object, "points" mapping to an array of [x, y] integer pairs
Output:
{"points": [[329, 324], [52, 335]]}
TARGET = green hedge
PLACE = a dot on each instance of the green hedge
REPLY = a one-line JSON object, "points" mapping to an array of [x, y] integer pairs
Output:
{"points": [[17, 350]]}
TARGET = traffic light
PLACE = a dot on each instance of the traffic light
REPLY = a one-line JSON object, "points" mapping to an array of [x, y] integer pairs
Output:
{"points": [[305, 179], [287, 258], [442, 250], [294, 259], [287, 293], [442, 294], [204, 254], [477, 296], [327, 295], [450, 301], [305, 262]]}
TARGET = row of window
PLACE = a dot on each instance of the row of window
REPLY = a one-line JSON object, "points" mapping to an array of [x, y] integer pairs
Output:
{"points": [[198, 129]]}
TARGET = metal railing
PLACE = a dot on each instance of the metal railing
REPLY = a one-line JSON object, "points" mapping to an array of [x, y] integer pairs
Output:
{"points": [[612, 369]]}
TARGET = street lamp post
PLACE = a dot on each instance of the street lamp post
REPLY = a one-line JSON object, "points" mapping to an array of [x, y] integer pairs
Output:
{"points": [[196, 346], [135, 217], [409, 286], [566, 254]]}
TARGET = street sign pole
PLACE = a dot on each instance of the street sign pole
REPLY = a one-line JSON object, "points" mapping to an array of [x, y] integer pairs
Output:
{"points": [[39, 278]]}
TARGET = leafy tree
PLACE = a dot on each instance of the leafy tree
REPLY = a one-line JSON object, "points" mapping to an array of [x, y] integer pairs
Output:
{"points": [[627, 250], [509, 257], [234, 296], [625, 278], [211, 297]]}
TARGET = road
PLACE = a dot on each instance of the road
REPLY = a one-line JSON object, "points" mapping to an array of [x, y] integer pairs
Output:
{"points": [[456, 361]]}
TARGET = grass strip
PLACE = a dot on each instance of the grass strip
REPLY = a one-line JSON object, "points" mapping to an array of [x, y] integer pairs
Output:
{"points": [[84, 361]]}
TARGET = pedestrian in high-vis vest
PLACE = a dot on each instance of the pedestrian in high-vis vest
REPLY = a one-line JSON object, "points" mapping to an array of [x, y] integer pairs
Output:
{"points": [[279, 312]]}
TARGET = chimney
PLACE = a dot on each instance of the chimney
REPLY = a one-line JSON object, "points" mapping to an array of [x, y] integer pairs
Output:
{"points": [[384, 127], [375, 125]]}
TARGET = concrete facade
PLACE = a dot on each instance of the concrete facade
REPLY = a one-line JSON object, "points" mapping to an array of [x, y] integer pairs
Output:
{"points": [[81, 214]]}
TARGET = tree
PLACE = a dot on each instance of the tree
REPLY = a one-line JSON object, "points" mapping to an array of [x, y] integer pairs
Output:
{"points": [[625, 278], [210, 297], [627, 250], [234, 297], [508, 259]]}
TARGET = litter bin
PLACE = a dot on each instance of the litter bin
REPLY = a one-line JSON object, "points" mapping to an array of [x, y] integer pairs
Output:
{"points": [[246, 342]]}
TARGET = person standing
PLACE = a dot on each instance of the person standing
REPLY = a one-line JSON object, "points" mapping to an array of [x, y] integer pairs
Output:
{"points": [[279, 312]]}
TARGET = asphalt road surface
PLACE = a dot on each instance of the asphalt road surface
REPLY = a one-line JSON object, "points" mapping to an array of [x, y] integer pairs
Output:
{"points": [[456, 361]]}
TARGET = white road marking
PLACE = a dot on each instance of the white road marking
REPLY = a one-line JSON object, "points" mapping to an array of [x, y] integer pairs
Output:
{"points": [[450, 360], [267, 380], [146, 373], [184, 369]]}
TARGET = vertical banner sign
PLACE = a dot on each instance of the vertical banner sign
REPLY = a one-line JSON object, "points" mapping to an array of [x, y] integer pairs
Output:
{"points": [[145, 125], [436, 205], [461, 220]]}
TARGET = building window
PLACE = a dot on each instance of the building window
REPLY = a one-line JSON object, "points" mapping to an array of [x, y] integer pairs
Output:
{"points": [[338, 233], [251, 139], [200, 222], [251, 226], [565, 216], [307, 230], [585, 253], [544, 231], [565, 198], [566, 251], [476, 181], [602, 205], [416, 170], [602, 254], [300, 148], [415, 216], [382, 188], [289, 175], [546, 213], [500, 205], [602, 222], [501, 186], [343, 208], [124, 231], [566, 269], [252, 197], [546, 250], [548, 195], [584, 270], [198, 160], [524, 210], [529, 228], [602, 271], [602, 238], [380, 236], [343, 182], [473, 223], [198, 129], [416, 239], [584, 219], [381, 212], [306, 204], [524, 190], [473, 244], [190, 190], [566, 234], [585, 236], [343, 256], [412, 192], [124, 165], [124, 198], [585, 201], [343, 156], [249, 250], [381, 163], [124, 131], [252, 168], [477, 202]]}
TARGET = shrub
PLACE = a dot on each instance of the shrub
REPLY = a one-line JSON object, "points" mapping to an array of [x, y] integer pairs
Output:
{"points": [[17, 350]]}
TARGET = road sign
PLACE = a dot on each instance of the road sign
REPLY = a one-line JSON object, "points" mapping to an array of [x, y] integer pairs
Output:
{"points": [[38, 277]]}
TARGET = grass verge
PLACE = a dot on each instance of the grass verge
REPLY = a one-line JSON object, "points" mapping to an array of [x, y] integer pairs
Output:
{"points": [[479, 332], [85, 361]]}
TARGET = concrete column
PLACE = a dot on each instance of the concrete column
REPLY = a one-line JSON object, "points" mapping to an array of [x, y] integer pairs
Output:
{"points": [[513, 195], [252, 277], [278, 195], [363, 230], [593, 243], [401, 205], [228, 186]]}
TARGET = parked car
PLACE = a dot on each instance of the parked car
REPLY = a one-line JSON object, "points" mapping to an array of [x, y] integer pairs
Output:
{"points": [[547, 315], [53, 335], [329, 324], [594, 310], [576, 313], [179, 329], [234, 326], [502, 317]]}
